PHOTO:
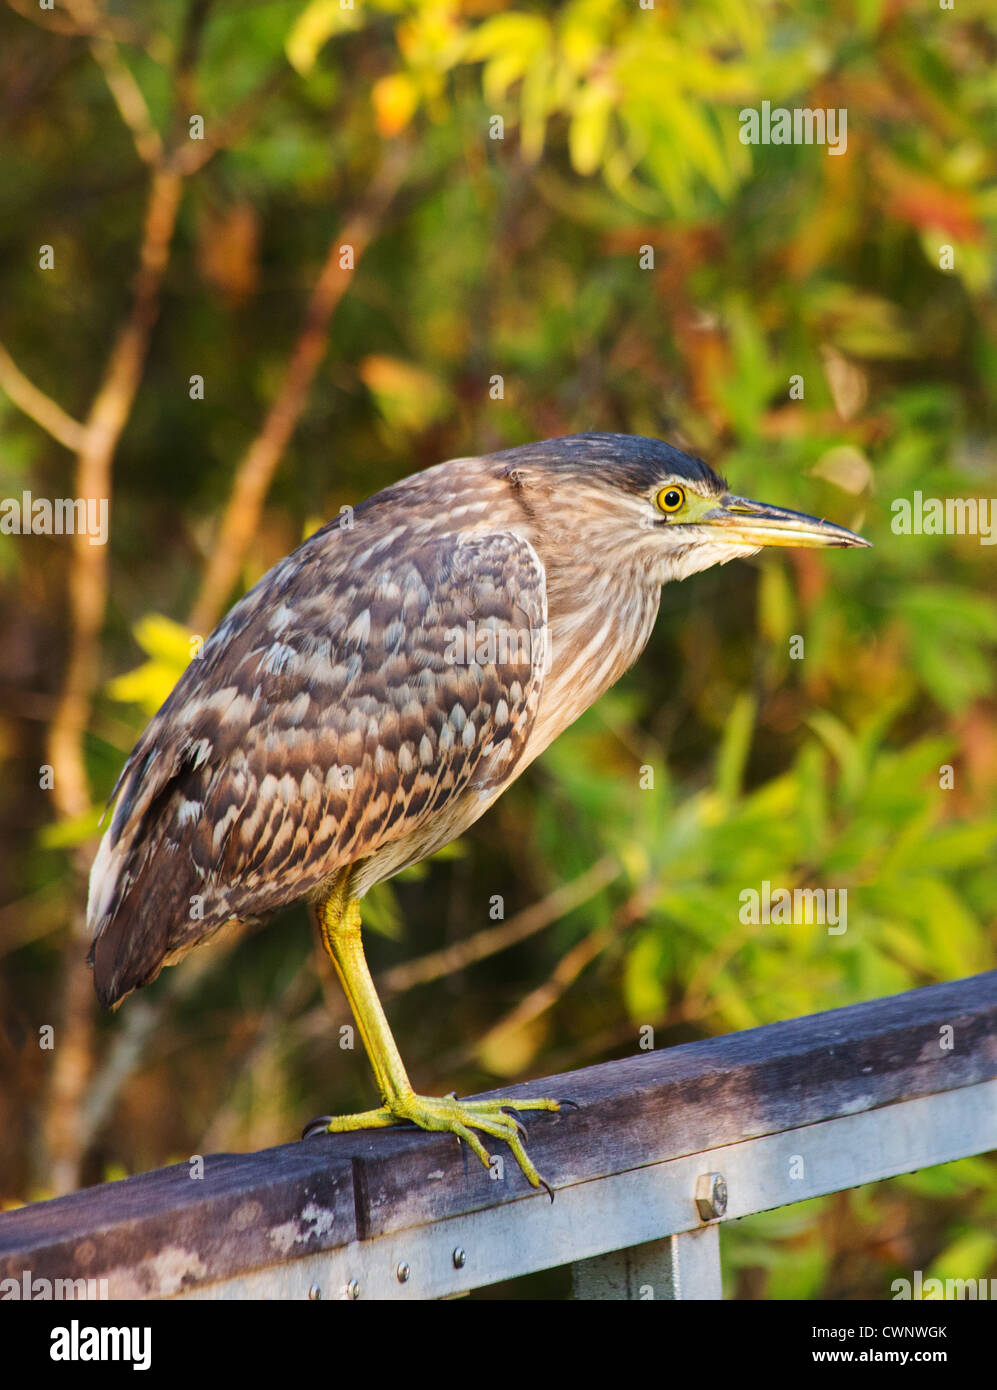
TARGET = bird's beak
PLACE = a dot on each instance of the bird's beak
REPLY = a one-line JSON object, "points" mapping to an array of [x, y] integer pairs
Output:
{"points": [[739, 521]]}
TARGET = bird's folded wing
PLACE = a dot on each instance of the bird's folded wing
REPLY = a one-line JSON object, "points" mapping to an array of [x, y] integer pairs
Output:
{"points": [[350, 697]]}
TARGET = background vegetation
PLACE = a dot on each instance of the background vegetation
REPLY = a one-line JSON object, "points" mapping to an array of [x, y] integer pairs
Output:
{"points": [[521, 257]]}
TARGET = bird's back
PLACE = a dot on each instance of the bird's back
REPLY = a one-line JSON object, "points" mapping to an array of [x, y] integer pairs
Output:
{"points": [[327, 722]]}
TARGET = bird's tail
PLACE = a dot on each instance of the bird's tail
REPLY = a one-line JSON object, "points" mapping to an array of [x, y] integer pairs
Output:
{"points": [[130, 929]]}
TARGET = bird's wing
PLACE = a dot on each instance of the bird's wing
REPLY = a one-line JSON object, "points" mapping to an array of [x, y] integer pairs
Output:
{"points": [[342, 704]]}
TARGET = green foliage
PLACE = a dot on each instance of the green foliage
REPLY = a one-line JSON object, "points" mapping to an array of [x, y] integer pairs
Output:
{"points": [[861, 1241]]}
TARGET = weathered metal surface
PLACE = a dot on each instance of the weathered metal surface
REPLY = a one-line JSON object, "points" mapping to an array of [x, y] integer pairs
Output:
{"points": [[783, 1112], [154, 1235], [645, 1204], [684, 1266], [688, 1099]]}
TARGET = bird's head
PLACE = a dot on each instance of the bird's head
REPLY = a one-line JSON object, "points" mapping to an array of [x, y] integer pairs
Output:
{"points": [[626, 499]]}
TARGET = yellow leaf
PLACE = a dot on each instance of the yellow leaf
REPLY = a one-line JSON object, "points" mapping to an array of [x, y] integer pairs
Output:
{"points": [[161, 637], [522, 34], [510, 1050], [408, 397], [170, 646], [395, 99], [317, 23], [535, 102], [589, 127]]}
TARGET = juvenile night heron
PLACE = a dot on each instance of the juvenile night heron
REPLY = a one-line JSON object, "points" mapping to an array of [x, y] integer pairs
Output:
{"points": [[376, 691]]}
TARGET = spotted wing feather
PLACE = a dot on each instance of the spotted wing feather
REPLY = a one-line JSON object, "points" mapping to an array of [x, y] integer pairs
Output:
{"points": [[345, 705]]}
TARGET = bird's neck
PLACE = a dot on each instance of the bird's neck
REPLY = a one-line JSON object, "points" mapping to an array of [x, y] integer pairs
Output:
{"points": [[599, 621]]}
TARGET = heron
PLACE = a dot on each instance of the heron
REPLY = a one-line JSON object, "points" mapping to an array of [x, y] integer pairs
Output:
{"points": [[370, 697]]}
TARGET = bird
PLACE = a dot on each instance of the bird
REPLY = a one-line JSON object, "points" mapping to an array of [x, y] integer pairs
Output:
{"points": [[374, 693]]}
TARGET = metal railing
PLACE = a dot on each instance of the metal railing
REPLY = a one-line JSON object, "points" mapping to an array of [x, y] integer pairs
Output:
{"points": [[663, 1148]]}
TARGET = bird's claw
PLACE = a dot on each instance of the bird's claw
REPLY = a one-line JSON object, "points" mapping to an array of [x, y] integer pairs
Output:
{"points": [[466, 1120], [320, 1125], [511, 1110]]}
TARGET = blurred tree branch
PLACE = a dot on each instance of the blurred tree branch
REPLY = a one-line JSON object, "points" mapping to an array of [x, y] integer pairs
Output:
{"points": [[491, 939], [41, 408], [116, 27], [66, 1135], [190, 156], [72, 1117], [104, 424], [568, 968], [87, 602], [256, 469], [129, 100]]}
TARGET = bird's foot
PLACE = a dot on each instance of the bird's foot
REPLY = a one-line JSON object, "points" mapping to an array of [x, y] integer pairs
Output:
{"points": [[453, 1116]]}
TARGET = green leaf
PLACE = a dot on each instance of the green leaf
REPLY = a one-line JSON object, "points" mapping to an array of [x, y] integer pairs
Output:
{"points": [[841, 743], [77, 830], [643, 986], [735, 747], [969, 1256], [381, 912]]}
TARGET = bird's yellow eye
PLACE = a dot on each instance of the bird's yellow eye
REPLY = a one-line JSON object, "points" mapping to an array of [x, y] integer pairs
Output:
{"points": [[671, 499]]}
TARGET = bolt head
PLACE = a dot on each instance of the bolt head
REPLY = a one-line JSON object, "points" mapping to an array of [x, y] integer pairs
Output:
{"points": [[711, 1196], [403, 1272], [459, 1257], [315, 1292], [353, 1289]]}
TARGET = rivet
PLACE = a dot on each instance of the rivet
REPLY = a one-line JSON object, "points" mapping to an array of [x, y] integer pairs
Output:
{"points": [[711, 1195], [315, 1293], [459, 1257], [353, 1289], [403, 1272]]}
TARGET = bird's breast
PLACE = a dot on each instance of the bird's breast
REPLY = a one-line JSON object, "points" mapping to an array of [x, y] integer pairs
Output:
{"points": [[597, 630]]}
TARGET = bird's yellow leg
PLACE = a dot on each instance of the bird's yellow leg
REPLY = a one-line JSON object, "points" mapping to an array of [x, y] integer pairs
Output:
{"points": [[339, 923]]}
